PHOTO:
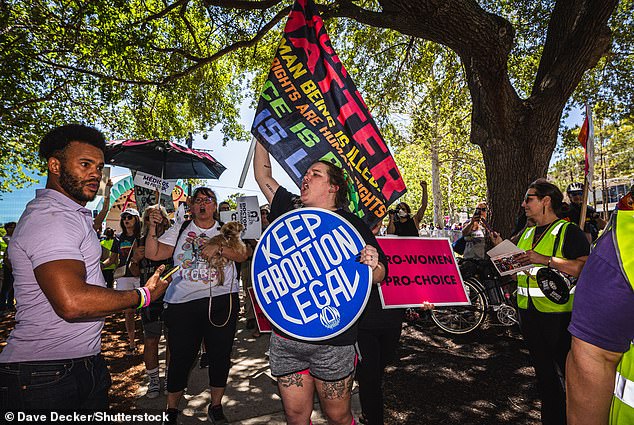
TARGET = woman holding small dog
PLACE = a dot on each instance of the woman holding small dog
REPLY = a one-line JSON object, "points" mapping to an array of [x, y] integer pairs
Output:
{"points": [[199, 305]]}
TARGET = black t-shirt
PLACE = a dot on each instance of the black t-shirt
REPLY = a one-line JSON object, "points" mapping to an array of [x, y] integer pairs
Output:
{"points": [[375, 317], [283, 202], [147, 268], [406, 228], [575, 242], [124, 246], [591, 226]]}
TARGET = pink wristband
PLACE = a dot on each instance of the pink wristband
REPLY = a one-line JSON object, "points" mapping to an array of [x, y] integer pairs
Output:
{"points": [[148, 300]]}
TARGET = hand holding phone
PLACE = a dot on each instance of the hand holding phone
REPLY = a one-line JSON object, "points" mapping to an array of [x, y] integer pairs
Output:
{"points": [[168, 273]]}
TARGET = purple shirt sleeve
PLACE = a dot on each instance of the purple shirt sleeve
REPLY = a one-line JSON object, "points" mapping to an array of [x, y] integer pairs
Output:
{"points": [[603, 310], [59, 238]]}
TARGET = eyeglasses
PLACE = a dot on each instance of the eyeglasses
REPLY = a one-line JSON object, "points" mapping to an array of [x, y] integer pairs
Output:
{"points": [[528, 197], [204, 200]]}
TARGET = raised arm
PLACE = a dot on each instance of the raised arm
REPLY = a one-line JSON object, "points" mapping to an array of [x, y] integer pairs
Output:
{"points": [[98, 221], [155, 250], [423, 204], [263, 172]]}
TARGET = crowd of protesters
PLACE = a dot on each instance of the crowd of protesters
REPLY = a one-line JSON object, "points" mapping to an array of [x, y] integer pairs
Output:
{"points": [[66, 280]]}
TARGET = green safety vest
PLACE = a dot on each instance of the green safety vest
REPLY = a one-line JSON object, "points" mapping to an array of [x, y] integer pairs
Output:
{"points": [[622, 410], [107, 243], [526, 281]]}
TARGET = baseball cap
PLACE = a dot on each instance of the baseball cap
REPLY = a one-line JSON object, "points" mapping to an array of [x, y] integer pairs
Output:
{"points": [[131, 211]]}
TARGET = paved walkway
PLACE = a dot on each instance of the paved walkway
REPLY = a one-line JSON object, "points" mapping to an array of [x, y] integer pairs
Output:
{"points": [[251, 396]]}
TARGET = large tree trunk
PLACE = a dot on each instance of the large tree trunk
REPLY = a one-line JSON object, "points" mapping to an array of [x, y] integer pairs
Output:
{"points": [[517, 136]]}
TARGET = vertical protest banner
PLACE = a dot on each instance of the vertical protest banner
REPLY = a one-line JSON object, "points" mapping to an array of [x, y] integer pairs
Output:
{"points": [[586, 138], [310, 109]]}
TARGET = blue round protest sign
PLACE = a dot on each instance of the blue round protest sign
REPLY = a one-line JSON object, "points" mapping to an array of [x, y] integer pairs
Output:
{"points": [[306, 276]]}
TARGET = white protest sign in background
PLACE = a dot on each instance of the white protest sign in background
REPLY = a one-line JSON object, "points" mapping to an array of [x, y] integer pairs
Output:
{"points": [[155, 183], [247, 213]]}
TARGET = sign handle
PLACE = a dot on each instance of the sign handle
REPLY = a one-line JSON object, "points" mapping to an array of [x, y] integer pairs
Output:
{"points": [[247, 162]]}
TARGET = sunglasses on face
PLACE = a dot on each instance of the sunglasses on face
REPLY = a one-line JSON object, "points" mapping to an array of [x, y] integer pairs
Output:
{"points": [[204, 200], [528, 197], [126, 217], [579, 193], [481, 209]]}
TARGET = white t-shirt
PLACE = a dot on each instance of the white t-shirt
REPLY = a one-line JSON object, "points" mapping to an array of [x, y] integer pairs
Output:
{"points": [[195, 280]]}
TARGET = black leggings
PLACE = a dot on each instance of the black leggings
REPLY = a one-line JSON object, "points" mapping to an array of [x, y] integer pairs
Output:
{"points": [[188, 323], [378, 348]]}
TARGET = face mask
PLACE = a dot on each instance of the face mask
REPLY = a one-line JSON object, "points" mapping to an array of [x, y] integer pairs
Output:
{"points": [[402, 214]]}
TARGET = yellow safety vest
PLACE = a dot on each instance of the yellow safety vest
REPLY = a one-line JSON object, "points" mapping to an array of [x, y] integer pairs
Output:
{"points": [[527, 283], [107, 243], [622, 410]]}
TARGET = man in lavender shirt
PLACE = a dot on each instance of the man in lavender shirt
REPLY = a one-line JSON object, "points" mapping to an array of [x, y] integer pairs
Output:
{"points": [[52, 359]]}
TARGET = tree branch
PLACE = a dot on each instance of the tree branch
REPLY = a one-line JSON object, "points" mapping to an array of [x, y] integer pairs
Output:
{"points": [[243, 4], [200, 62], [577, 37], [31, 101]]}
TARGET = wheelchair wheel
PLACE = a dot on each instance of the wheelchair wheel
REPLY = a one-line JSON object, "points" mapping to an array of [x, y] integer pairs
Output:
{"points": [[460, 320]]}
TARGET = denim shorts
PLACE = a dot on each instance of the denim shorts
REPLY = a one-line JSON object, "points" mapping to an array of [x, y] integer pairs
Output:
{"points": [[324, 362]]}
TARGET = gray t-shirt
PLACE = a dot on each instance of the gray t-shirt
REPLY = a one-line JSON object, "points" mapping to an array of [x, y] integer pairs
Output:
{"points": [[53, 227]]}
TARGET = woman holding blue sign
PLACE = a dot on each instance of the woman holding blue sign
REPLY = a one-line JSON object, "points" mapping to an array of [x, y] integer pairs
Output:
{"points": [[198, 306], [305, 364]]}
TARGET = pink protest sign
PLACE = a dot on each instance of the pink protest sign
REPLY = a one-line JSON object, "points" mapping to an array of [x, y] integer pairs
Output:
{"points": [[420, 269], [263, 323]]}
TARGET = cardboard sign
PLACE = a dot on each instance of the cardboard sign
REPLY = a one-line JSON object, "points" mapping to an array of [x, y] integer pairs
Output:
{"points": [[305, 275], [420, 269], [145, 197], [263, 323], [105, 176], [149, 181], [247, 213]]}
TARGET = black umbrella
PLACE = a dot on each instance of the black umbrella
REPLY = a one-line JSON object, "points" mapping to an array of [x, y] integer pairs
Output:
{"points": [[163, 158]]}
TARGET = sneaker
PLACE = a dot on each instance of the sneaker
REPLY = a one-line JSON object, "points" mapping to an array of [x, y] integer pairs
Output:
{"points": [[170, 417], [215, 415], [153, 388], [204, 360]]}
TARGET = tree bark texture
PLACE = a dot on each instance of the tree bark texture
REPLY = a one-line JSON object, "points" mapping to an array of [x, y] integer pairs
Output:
{"points": [[517, 136]]}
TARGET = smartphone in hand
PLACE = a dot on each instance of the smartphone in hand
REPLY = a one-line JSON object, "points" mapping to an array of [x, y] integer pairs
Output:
{"points": [[167, 273]]}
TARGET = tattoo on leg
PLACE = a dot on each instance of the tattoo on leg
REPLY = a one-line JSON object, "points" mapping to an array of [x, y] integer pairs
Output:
{"points": [[338, 389], [294, 379]]}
